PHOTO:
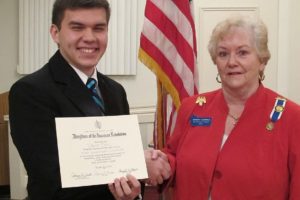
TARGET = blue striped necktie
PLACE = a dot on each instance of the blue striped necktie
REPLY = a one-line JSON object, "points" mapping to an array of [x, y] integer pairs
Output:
{"points": [[91, 85]]}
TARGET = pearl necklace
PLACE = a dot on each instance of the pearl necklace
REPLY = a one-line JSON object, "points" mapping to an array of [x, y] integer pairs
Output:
{"points": [[235, 119]]}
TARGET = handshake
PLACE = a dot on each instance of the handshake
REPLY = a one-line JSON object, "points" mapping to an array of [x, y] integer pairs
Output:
{"points": [[158, 167]]}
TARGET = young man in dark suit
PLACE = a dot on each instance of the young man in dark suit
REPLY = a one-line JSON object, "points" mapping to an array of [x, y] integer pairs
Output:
{"points": [[79, 27]]}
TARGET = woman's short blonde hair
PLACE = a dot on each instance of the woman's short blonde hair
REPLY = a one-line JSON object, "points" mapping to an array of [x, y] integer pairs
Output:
{"points": [[256, 27]]}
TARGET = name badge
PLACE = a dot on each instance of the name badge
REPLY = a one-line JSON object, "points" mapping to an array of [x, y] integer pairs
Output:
{"points": [[200, 121]]}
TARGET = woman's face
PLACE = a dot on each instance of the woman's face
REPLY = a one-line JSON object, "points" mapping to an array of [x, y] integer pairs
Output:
{"points": [[237, 60]]}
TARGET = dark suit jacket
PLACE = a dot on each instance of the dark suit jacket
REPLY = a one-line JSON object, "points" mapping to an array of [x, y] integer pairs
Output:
{"points": [[34, 101]]}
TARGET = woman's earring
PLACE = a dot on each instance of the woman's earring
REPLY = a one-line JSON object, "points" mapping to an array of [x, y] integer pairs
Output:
{"points": [[261, 77], [218, 78]]}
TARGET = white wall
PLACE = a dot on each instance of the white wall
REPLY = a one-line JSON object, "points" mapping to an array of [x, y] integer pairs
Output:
{"points": [[294, 50], [141, 88], [8, 43]]}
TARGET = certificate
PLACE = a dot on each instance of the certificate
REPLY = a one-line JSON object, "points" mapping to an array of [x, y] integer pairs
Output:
{"points": [[96, 150]]}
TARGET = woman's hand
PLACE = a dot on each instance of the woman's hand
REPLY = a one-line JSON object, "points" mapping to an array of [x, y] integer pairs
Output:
{"points": [[158, 166]]}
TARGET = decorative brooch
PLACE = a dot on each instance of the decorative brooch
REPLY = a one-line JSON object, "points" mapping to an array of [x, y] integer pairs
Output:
{"points": [[201, 100]]}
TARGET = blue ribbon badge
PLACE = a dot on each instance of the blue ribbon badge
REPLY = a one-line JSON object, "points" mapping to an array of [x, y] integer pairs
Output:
{"points": [[200, 121], [276, 113]]}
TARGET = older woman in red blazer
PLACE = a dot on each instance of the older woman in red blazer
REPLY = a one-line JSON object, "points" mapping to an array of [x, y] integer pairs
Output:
{"points": [[242, 141]]}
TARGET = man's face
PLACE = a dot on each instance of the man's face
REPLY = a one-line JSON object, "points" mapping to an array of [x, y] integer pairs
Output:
{"points": [[82, 38]]}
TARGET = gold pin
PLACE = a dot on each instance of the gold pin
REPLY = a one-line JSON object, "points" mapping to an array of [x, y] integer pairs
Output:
{"points": [[270, 126], [201, 100], [279, 108]]}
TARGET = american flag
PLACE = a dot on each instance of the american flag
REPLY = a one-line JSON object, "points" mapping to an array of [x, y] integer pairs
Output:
{"points": [[168, 48]]}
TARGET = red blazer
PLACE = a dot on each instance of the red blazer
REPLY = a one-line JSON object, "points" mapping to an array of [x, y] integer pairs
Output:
{"points": [[254, 163]]}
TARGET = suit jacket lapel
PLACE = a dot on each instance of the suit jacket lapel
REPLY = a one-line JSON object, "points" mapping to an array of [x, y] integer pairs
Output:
{"points": [[72, 86]]}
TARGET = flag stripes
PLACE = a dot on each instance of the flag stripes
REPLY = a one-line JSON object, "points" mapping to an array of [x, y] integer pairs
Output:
{"points": [[168, 48], [174, 14], [168, 38]]}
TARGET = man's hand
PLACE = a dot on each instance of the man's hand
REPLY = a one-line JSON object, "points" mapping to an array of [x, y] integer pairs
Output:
{"points": [[125, 188], [158, 166]]}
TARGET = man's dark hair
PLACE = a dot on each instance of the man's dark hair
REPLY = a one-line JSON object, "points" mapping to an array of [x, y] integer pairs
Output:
{"points": [[60, 6]]}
